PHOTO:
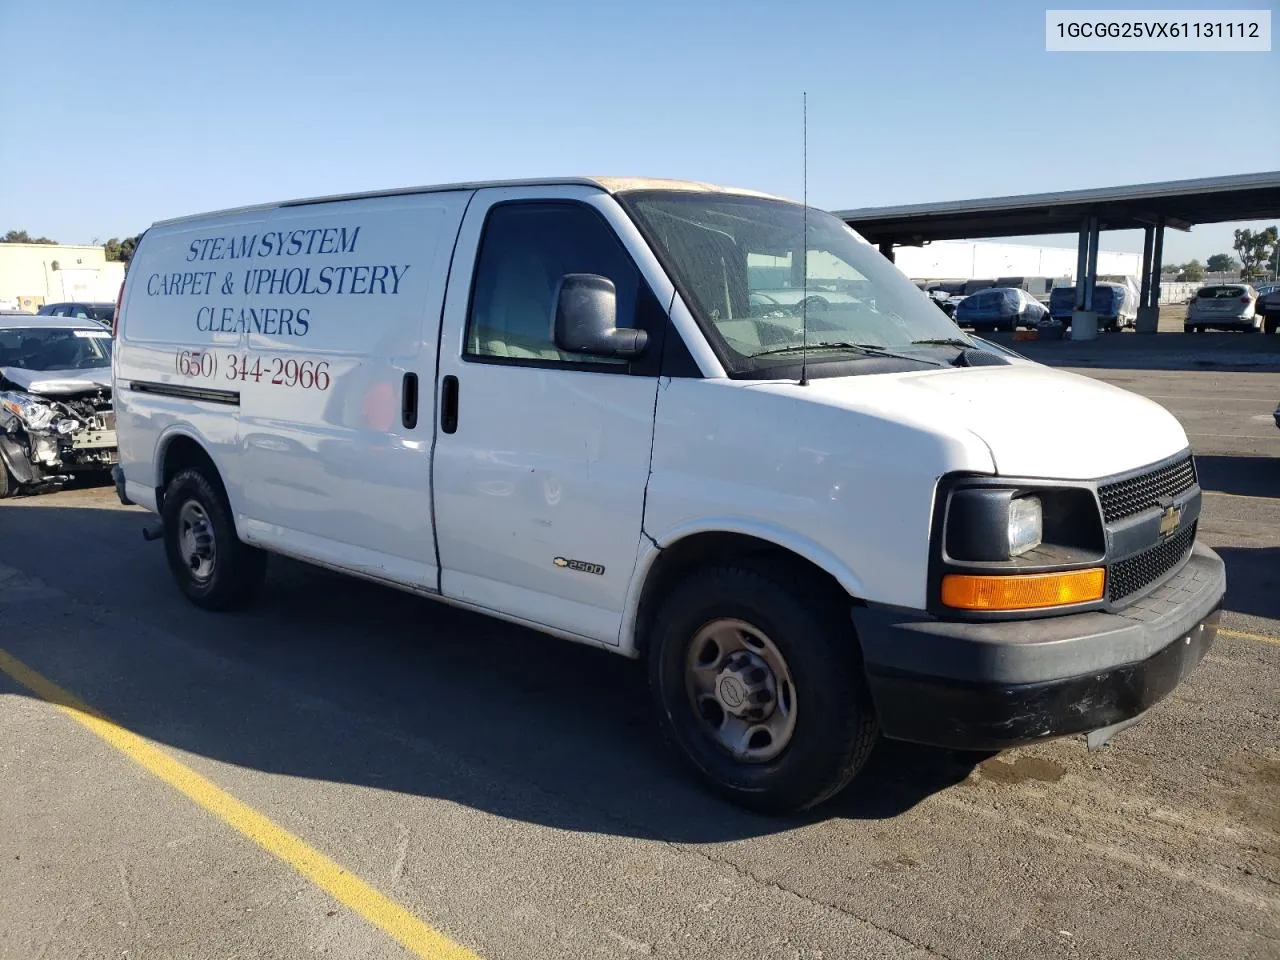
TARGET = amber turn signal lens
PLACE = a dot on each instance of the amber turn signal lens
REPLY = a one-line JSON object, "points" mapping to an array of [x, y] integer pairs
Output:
{"points": [[1022, 591]]}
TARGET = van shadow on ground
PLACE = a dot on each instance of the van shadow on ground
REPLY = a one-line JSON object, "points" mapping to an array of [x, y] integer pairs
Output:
{"points": [[1253, 580], [336, 679], [1239, 475]]}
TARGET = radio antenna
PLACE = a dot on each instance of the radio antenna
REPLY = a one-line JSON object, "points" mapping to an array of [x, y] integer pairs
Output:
{"points": [[804, 244]]}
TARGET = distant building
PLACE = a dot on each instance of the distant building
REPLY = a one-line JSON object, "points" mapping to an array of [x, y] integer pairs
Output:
{"points": [[972, 259], [32, 274]]}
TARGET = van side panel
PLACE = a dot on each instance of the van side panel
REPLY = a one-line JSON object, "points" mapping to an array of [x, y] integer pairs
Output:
{"points": [[168, 353], [343, 305]]}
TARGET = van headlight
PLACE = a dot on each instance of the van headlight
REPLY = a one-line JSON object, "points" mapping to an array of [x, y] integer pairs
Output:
{"points": [[988, 522], [1007, 546], [1026, 525]]}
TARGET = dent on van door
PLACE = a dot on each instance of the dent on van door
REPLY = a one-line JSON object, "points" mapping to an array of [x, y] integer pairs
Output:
{"points": [[540, 489]]}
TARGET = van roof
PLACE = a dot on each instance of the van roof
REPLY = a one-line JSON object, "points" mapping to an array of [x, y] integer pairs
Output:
{"points": [[608, 184]]}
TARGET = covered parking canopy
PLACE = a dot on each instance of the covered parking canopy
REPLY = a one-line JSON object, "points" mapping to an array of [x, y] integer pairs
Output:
{"points": [[1150, 207]]}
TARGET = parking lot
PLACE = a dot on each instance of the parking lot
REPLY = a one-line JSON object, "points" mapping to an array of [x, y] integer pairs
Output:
{"points": [[359, 761]]}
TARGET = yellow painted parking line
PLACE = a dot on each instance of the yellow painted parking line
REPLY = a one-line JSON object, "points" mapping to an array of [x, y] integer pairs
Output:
{"points": [[413, 934], [1246, 635]]}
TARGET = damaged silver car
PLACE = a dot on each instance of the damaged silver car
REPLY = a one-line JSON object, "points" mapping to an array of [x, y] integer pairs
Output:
{"points": [[56, 417]]}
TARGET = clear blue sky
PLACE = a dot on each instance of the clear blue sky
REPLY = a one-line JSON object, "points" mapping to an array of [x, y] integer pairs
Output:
{"points": [[113, 115]]}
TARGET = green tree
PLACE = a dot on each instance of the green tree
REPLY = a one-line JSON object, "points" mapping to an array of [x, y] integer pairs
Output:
{"points": [[1221, 263], [1254, 249], [21, 236], [1193, 270], [121, 250]]}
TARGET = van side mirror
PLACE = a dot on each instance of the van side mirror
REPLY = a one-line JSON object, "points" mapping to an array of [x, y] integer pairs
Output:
{"points": [[587, 317]]}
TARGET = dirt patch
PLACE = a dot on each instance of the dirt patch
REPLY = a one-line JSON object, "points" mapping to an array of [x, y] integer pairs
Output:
{"points": [[1257, 800], [1021, 770]]}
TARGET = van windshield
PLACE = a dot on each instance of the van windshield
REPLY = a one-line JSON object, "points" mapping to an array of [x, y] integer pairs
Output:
{"points": [[753, 282]]}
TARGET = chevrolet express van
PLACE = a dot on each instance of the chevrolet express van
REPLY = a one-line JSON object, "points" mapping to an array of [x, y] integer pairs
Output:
{"points": [[698, 426]]}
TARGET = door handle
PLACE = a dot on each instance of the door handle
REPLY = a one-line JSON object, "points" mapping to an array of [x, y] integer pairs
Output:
{"points": [[449, 404], [409, 401]]}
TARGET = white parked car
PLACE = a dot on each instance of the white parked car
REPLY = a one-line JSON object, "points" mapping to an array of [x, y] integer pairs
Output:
{"points": [[1224, 306], [56, 418], [558, 402]]}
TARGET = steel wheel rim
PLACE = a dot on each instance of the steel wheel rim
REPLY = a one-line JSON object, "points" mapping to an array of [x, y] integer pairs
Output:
{"points": [[741, 690], [196, 542]]}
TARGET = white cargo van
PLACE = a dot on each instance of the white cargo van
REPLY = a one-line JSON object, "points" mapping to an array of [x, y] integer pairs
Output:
{"points": [[692, 425]]}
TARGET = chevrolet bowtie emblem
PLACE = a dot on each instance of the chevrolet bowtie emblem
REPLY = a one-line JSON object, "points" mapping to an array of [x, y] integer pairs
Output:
{"points": [[1169, 520]]}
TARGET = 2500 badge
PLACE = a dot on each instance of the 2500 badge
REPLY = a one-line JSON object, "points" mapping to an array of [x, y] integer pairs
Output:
{"points": [[580, 565]]}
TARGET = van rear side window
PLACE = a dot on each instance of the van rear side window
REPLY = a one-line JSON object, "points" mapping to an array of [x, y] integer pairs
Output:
{"points": [[527, 248]]}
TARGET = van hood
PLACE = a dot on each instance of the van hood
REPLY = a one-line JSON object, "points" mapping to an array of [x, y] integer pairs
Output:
{"points": [[1035, 421], [58, 383]]}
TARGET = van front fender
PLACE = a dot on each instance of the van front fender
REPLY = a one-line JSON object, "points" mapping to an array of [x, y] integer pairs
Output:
{"points": [[652, 547]]}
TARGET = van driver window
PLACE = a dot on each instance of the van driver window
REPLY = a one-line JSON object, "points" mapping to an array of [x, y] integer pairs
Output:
{"points": [[526, 249]]}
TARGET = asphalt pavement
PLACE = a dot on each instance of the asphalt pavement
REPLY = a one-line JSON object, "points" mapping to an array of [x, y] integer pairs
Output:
{"points": [[348, 771]]}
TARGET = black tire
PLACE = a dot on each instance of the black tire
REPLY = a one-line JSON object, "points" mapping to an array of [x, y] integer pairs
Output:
{"points": [[237, 569], [1271, 323], [835, 726], [8, 482]]}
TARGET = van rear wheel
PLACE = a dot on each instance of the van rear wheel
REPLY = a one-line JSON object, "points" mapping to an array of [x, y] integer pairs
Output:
{"points": [[213, 568], [757, 681]]}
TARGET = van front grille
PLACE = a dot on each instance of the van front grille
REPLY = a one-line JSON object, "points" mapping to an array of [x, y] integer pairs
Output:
{"points": [[1125, 498], [1129, 576]]}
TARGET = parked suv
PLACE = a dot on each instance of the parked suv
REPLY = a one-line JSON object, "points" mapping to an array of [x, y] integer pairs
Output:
{"points": [[102, 312], [1114, 303], [1000, 308], [1224, 306], [1268, 306]]}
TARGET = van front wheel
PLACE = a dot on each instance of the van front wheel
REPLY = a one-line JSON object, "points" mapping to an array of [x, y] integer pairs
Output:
{"points": [[757, 681], [214, 569]]}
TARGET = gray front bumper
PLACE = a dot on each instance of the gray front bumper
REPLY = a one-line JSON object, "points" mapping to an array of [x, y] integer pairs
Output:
{"points": [[991, 685]]}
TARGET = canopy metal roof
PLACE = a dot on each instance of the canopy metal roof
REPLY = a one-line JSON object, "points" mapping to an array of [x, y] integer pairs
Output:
{"points": [[1182, 203]]}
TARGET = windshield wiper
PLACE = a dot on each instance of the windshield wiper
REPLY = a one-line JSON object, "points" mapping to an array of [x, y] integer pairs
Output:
{"points": [[869, 349], [945, 342]]}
